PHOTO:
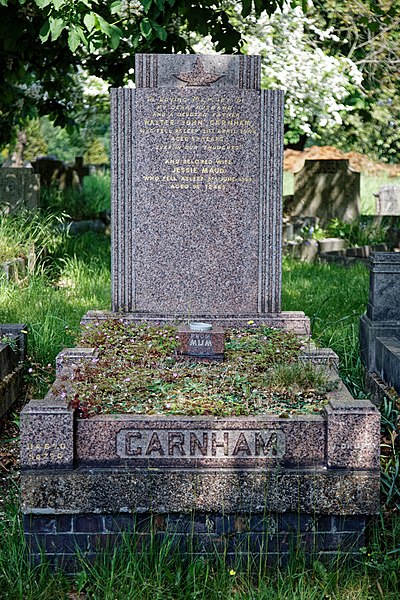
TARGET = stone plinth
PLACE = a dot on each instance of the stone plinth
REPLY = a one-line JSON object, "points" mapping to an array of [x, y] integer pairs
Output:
{"points": [[388, 200], [326, 189], [308, 473], [12, 354], [294, 321]]}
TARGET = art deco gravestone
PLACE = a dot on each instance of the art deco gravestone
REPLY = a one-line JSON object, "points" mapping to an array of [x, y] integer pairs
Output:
{"points": [[197, 192], [197, 159], [327, 189], [19, 188]]}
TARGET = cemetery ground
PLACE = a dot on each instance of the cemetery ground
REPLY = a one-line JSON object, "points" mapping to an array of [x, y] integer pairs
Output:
{"points": [[75, 277]]}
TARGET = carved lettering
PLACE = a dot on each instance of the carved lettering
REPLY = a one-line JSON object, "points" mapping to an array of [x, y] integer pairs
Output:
{"points": [[154, 445], [218, 444]]}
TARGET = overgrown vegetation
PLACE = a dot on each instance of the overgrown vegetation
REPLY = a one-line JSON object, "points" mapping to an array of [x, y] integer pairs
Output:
{"points": [[86, 203], [28, 232], [137, 370]]}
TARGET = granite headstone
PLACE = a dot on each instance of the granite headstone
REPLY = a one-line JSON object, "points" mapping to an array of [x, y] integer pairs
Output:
{"points": [[196, 188], [327, 189]]}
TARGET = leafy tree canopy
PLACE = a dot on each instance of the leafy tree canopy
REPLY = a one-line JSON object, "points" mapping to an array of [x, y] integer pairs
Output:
{"points": [[44, 42]]}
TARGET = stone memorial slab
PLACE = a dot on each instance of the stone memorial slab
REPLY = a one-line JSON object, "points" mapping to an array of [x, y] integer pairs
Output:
{"points": [[382, 319], [388, 200], [196, 188], [327, 189], [19, 188]]}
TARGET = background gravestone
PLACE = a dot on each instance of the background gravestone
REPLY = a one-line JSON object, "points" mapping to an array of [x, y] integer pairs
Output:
{"points": [[19, 188], [327, 189], [196, 188], [388, 200]]}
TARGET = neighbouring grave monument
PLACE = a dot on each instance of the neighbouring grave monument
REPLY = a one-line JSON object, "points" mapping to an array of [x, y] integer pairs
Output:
{"points": [[326, 189], [196, 200], [388, 201], [380, 327], [19, 188]]}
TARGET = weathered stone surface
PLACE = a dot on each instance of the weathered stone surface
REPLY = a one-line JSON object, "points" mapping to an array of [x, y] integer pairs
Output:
{"points": [[383, 310], [293, 321], [17, 333], [318, 491], [179, 71], [353, 434], [383, 304], [72, 357], [47, 439], [327, 189], [196, 194], [10, 388], [331, 244], [388, 361], [19, 188], [203, 442], [388, 200]]}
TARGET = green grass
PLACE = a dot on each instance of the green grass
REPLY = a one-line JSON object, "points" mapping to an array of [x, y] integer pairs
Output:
{"points": [[334, 298], [53, 300], [163, 573]]}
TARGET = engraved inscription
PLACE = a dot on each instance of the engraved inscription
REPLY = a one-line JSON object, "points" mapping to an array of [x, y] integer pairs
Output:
{"points": [[161, 443], [38, 453], [200, 344]]}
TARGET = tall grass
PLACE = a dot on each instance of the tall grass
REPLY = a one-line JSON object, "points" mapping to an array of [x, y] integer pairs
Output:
{"points": [[162, 572], [85, 203], [28, 230], [52, 301]]}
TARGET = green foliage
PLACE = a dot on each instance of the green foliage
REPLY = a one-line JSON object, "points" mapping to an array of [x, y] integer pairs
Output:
{"points": [[357, 233], [96, 153], [26, 231], [85, 203], [136, 370], [334, 298], [44, 44]]}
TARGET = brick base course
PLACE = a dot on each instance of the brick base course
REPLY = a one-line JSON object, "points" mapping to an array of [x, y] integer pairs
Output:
{"points": [[60, 539]]}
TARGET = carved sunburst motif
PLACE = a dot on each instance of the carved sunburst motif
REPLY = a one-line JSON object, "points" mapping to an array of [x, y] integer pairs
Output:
{"points": [[198, 76]]}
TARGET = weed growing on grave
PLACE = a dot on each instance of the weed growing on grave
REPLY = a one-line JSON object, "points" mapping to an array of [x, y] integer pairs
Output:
{"points": [[136, 370]]}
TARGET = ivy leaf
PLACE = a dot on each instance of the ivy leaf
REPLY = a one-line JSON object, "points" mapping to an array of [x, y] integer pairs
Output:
{"points": [[146, 4], [115, 7], [56, 27], [42, 3], [160, 4], [160, 31], [58, 4]]}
